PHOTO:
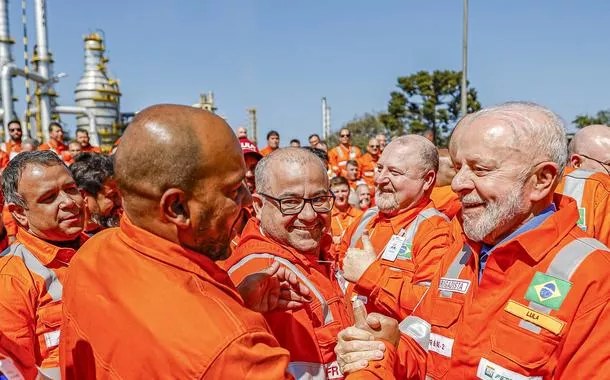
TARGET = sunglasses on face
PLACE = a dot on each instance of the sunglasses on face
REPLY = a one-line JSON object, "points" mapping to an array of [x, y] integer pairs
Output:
{"points": [[348, 135], [373, 146]]}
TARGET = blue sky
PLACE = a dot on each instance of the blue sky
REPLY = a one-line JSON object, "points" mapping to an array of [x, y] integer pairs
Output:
{"points": [[283, 56]]}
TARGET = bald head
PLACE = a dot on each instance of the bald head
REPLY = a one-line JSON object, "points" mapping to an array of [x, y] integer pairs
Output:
{"points": [[242, 132], [590, 148], [417, 147]]}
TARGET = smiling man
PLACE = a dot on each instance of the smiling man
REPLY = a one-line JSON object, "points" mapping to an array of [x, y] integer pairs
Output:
{"points": [[293, 206], [343, 214], [45, 202]]}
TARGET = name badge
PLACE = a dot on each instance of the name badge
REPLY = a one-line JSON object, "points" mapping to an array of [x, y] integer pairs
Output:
{"points": [[454, 285], [441, 345], [537, 318], [491, 371], [391, 250]]}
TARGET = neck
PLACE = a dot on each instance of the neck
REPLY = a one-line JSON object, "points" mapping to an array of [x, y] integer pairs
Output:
{"points": [[347, 145], [493, 240], [343, 208], [16, 141], [73, 244]]}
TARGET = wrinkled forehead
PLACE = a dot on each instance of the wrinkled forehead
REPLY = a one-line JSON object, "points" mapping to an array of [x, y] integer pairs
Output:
{"points": [[290, 177], [488, 134]]}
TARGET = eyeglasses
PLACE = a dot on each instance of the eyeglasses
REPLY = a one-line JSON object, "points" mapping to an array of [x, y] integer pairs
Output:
{"points": [[14, 129], [293, 206], [346, 135], [373, 146], [604, 165]]}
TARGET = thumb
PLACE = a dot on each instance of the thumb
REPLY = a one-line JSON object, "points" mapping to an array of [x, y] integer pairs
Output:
{"points": [[366, 244], [360, 313], [272, 269]]}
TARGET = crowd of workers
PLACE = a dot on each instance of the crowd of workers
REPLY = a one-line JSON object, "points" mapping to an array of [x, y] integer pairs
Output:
{"points": [[189, 253]]}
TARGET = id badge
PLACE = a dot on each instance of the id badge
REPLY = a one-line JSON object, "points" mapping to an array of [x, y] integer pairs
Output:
{"points": [[392, 249]]}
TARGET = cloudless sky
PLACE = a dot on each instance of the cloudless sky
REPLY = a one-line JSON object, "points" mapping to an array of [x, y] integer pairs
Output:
{"points": [[283, 56]]}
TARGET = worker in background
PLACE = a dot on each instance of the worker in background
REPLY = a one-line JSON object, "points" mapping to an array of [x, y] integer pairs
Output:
{"points": [[293, 206], [523, 292], [314, 140], [343, 214], [146, 300], [56, 140], [295, 143], [352, 174], [13, 146], [365, 201], [368, 162], [273, 142], [586, 180], [405, 229], [445, 200], [74, 149], [342, 153], [242, 133], [82, 136], [44, 200], [94, 176], [29, 145], [382, 141], [323, 146]]}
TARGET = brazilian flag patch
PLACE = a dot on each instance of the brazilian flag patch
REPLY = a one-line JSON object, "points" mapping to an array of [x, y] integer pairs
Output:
{"points": [[405, 252], [547, 290]]}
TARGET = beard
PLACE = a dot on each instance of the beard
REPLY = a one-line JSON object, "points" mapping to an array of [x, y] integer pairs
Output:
{"points": [[495, 215], [386, 202]]}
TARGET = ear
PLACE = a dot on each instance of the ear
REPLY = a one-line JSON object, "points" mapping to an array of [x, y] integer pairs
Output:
{"points": [[429, 179], [19, 214], [174, 207], [575, 161], [544, 181], [257, 203]]}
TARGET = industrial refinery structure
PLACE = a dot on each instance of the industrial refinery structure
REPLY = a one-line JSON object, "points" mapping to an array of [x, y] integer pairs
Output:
{"points": [[97, 96]]}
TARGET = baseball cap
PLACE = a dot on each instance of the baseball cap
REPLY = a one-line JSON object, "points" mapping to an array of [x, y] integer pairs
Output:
{"points": [[248, 147]]}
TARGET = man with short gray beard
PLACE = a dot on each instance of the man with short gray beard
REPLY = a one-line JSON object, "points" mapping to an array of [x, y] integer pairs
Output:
{"points": [[523, 292], [405, 229]]}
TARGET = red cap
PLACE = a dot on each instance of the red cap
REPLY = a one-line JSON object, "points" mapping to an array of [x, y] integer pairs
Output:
{"points": [[248, 147]]}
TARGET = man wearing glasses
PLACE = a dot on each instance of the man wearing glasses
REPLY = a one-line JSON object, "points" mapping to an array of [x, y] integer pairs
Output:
{"points": [[13, 146], [338, 156], [293, 207], [368, 162], [586, 180]]}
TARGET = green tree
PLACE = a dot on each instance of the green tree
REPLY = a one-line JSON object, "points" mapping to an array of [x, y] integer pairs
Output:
{"points": [[427, 101], [362, 128], [602, 117]]}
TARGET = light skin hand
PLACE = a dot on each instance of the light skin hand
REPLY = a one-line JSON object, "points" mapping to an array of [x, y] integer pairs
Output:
{"points": [[357, 261]]}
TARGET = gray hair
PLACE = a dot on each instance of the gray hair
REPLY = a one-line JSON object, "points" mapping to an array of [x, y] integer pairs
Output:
{"points": [[428, 154], [537, 130], [12, 174], [293, 155]]}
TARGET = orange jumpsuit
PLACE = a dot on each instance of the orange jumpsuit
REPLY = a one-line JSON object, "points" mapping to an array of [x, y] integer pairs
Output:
{"points": [[341, 220], [310, 333], [58, 148], [9, 223], [92, 149], [338, 157], [138, 306], [592, 194], [395, 282], [31, 276], [540, 310], [368, 164], [446, 201], [11, 148], [266, 150]]}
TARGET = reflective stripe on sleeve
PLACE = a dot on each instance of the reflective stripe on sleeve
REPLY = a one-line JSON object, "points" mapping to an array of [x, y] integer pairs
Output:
{"points": [[366, 217], [454, 270], [418, 329], [575, 185]]}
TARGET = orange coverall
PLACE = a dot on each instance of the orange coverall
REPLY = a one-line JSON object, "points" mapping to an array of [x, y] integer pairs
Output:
{"points": [[592, 194], [11, 148], [446, 201], [92, 149], [266, 150], [368, 164], [339, 155], [540, 310], [394, 287], [341, 220], [31, 276], [310, 333], [58, 148], [138, 306]]}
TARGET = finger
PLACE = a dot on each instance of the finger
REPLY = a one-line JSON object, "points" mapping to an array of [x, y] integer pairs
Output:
{"points": [[359, 313], [355, 334], [366, 243], [373, 321], [353, 367], [345, 347], [289, 305], [353, 357], [290, 295], [272, 269]]}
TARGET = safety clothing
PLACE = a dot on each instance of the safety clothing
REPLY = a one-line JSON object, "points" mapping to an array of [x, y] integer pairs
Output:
{"points": [[394, 284], [32, 274], [341, 220], [266, 150], [539, 311], [58, 148], [368, 164], [11, 148], [339, 155], [592, 194], [91, 149], [310, 333], [446, 201], [9, 222], [137, 306]]}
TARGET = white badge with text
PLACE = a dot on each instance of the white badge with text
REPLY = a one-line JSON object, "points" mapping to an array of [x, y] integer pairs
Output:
{"points": [[441, 345], [390, 252], [491, 371], [454, 285]]}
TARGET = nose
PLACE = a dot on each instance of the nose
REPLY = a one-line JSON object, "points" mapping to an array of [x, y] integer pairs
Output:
{"points": [[67, 201], [308, 214], [381, 176], [462, 182]]}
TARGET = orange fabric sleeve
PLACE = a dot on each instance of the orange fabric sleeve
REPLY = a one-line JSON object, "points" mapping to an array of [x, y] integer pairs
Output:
{"points": [[254, 355], [601, 222], [252, 266]]}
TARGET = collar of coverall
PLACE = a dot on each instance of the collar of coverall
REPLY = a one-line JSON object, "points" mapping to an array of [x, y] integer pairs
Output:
{"points": [[46, 251]]}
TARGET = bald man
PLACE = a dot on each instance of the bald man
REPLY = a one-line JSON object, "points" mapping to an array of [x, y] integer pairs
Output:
{"points": [[522, 292], [242, 133], [590, 149], [147, 300]]}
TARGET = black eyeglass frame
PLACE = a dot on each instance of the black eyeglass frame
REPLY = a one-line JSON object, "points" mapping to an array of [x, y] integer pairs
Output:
{"points": [[298, 210]]}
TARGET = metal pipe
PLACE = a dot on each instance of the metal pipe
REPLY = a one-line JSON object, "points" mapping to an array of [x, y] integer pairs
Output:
{"points": [[5, 37], [44, 63], [324, 136], [76, 110], [464, 90]]}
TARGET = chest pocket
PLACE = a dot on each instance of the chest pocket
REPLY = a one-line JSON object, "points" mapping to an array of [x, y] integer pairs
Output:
{"points": [[47, 327], [520, 346], [442, 335]]}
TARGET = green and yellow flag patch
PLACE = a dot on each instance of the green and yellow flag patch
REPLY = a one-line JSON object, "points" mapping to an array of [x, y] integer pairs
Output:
{"points": [[547, 290]]}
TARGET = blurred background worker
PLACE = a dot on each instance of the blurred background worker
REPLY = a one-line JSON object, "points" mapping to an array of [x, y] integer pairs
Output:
{"points": [[82, 136], [314, 140], [74, 149], [405, 229], [382, 142], [343, 214], [352, 172], [293, 206], [445, 200], [365, 200], [523, 290], [44, 200], [339, 155], [295, 143], [94, 176], [13, 146], [586, 180], [242, 133], [368, 162], [159, 265], [56, 140], [273, 143]]}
